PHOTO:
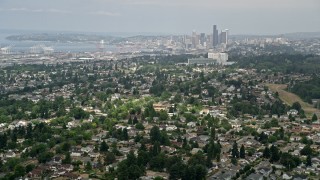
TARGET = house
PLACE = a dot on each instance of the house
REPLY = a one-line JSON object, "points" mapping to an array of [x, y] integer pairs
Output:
{"points": [[76, 152], [292, 112], [295, 138], [195, 150], [171, 128], [87, 149], [96, 138], [286, 176], [115, 96], [191, 124], [66, 167], [265, 171], [36, 173], [161, 106], [255, 176], [94, 155], [300, 177], [10, 154], [224, 175], [72, 176], [57, 159]]}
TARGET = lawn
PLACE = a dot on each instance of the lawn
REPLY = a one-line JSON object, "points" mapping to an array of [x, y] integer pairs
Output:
{"points": [[289, 98]]}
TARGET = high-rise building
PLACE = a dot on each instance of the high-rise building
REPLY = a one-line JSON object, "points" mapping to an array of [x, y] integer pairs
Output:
{"points": [[215, 39], [224, 37], [194, 40], [202, 38]]}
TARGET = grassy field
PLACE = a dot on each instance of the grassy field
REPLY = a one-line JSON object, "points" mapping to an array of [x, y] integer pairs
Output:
{"points": [[289, 98]]}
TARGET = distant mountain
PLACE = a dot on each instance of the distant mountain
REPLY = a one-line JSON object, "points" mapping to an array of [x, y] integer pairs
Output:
{"points": [[60, 37], [292, 36], [302, 35]]}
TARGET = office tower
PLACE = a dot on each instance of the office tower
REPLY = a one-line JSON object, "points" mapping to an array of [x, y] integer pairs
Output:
{"points": [[215, 39], [209, 41], [202, 38], [194, 39], [224, 37]]}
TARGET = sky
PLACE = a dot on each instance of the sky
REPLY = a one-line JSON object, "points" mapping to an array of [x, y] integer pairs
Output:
{"points": [[260, 17]]}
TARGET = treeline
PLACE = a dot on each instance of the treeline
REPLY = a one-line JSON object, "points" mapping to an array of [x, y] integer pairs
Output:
{"points": [[308, 90], [166, 59], [25, 109], [286, 63]]}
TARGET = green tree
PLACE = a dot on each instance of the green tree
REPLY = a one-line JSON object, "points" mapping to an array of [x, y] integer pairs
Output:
{"points": [[155, 149], [29, 167], [163, 115], [67, 159], [135, 120], [235, 151], [210, 154], [234, 161], [314, 117], [213, 133], [274, 154], [3, 140], [125, 135], [19, 171], [201, 171], [130, 121], [242, 152], [196, 159], [296, 106], [134, 171], [45, 157], [88, 166], [143, 158], [131, 159], [155, 134], [79, 113], [66, 146], [109, 158], [308, 161], [139, 126], [176, 170], [289, 161], [122, 171], [158, 162], [266, 152], [128, 169], [29, 131], [104, 147], [306, 150]]}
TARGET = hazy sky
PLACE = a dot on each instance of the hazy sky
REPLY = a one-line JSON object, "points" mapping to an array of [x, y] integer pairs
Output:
{"points": [[164, 16]]}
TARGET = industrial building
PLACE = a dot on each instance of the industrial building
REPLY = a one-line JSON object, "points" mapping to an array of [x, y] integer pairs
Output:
{"points": [[202, 61]]}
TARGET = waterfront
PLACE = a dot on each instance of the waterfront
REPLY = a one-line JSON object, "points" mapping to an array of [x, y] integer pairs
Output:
{"points": [[25, 46]]}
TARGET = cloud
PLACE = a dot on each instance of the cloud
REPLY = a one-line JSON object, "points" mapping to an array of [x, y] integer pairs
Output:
{"points": [[36, 10], [105, 13], [214, 4]]}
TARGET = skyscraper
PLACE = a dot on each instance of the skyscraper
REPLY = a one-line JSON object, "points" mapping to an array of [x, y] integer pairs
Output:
{"points": [[194, 40], [224, 36], [202, 38], [215, 37]]}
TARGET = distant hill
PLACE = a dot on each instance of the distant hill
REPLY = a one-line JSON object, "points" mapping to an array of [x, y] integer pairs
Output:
{"points": [[302, 35], [293, 36], [59, 37]]}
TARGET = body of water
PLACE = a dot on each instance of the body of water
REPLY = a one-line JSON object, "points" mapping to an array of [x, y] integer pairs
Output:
{"points": [[25, 46]]}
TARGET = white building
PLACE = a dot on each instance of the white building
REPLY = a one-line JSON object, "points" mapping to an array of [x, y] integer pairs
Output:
{"points": [[221, 58]]}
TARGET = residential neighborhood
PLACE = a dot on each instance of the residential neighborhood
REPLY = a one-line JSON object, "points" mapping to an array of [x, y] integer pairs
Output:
{"points": [[153, 117]]}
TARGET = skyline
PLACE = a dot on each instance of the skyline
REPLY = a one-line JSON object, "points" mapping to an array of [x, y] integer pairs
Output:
{"points": [[165, 17]]}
